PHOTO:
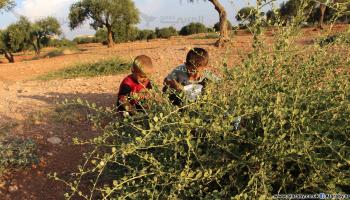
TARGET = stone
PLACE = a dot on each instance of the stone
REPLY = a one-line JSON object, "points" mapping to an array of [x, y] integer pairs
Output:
{"points": [[13, 188], [54, 140]]}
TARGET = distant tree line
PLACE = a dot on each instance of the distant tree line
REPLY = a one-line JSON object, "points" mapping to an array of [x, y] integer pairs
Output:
{"points": [[134, 34]]}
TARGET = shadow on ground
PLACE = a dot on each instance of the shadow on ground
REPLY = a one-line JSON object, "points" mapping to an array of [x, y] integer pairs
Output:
{"points": [[32, 182], [102, 99]]}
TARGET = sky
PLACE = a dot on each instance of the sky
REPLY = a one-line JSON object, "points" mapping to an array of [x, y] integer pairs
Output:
{"points": [[153, 13]]}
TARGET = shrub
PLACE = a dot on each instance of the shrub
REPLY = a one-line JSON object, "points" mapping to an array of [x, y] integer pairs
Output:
{"points": [[207, 36], [333, 39], [16, 153], [62, 43], [126, 34], [85, 40], [146, 35], [101, 35], [294, 124], [279, 124], [166, 32], [193, 28], [217, 26]]}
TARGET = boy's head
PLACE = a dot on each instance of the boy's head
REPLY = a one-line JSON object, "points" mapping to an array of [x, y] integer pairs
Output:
{"points": [[141, 68], [197, 59]]}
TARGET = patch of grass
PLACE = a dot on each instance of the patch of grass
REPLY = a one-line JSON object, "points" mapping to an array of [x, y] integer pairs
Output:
{"points": [[17, 153], [6, 128], [101, 68], [206, 36], [70, 113], [332, 39]]}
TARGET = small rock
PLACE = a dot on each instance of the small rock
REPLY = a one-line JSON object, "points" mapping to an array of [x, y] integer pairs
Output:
{"points": [[54, 140], [13, 188], [49, 154]]}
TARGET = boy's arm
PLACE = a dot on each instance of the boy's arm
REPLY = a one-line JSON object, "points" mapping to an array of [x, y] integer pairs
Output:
{"points": [[124, 92], [173, 84], [124, 102]]}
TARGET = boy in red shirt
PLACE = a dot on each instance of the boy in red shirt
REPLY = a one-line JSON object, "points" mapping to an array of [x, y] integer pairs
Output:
{"points": [[133, 89]]}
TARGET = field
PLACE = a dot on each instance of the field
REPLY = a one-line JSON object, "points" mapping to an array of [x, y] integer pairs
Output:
{"points": [[29, 109]]}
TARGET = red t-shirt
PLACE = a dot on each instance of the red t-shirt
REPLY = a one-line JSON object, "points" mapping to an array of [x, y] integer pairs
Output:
{"points": [[130, 86]]}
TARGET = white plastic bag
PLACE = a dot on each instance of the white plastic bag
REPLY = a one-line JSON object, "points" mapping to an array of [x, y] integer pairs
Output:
{"points": [[193, 91]]}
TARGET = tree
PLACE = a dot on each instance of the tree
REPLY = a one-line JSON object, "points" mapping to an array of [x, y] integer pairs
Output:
{"points": [[4, 48], [166, 32], [146, 35], [326, 6], [271, 17], [217, 26], [42, 30], [6, 4], [224, 33], [248, 14], [104, 14], [193, 28], [15, 38]]}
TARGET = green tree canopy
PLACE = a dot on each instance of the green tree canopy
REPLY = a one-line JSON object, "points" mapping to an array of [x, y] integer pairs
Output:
{"points": [[217, 26], [248, 15], [166, 32], [15, 38], [42, 30], [104, 14], [6, 4], [193, 28], [290, 9]]}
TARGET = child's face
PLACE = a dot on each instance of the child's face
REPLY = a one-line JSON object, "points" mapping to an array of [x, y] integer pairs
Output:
{"points": [[192, 71], [141, 78]]}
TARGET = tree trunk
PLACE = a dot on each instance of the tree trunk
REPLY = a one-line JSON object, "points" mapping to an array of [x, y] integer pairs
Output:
{"points": [[110, 36], [322, 10], [224, 33], [9, 57], [38, 47]]}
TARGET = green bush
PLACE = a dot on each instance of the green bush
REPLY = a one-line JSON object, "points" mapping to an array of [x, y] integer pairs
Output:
{"points": [[333, 39], [85, 40], [193, 28], [16, 153], [166, 32], [62, 43], [146, 35], [293, 136], [278, 125], [217, 26], [101, 68], [124, 34], [207, 36]]}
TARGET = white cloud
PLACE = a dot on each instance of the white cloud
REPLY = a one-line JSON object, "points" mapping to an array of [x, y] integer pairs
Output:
{"points": [[148, 6], [36, 9]]}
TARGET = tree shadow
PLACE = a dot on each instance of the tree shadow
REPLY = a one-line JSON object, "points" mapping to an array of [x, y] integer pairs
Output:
{"points": [[65, 123]]}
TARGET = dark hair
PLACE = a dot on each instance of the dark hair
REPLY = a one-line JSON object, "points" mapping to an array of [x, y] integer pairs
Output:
{"points": [[141, 62], [197, 57]]}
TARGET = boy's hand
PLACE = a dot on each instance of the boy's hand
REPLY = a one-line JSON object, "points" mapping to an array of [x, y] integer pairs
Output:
{"points": [[174, 84]]}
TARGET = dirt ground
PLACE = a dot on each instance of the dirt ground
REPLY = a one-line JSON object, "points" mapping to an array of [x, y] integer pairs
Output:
{"points": [[30, 103]]}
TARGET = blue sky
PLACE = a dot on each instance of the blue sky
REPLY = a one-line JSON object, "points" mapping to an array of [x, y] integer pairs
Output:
{"points": [[154, 13]]}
